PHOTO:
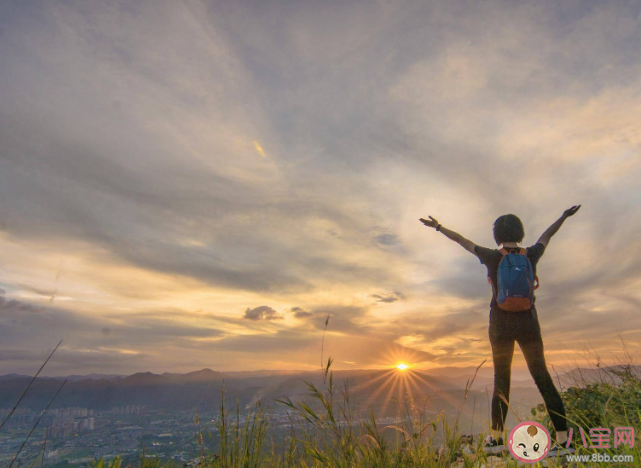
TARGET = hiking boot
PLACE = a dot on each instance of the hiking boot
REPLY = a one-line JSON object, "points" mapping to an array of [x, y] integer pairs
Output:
{"points": [[559, 450], [494, 446]]}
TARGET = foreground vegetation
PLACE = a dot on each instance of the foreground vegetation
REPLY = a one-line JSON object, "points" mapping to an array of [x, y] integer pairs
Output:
{"points": [[327, 432]]}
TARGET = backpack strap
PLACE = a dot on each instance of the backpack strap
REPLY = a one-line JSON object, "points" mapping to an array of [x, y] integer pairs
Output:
{"points": [[536, 278], [504, 252]]}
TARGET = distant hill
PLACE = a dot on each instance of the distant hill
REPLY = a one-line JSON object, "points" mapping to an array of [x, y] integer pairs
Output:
{"points": [[71, 378], [380, 390], [76, 378], [581, 376], [202, 389]]}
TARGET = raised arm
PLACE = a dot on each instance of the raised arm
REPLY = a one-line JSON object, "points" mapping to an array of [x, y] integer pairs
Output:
{"points": [[549, 232], [455, 236]]}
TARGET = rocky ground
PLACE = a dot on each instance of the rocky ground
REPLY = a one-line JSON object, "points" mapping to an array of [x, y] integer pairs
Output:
{"points": [[467, 455]]}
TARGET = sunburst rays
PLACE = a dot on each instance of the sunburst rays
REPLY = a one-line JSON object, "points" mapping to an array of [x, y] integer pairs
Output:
{"points": [[400, 379]]}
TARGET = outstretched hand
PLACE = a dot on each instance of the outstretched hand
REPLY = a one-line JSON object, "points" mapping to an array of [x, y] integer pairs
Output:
{"points": [[429, 222], [570, 211]]}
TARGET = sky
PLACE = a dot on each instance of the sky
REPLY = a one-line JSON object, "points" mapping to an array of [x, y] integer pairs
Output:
{"points": [[201, 184]]}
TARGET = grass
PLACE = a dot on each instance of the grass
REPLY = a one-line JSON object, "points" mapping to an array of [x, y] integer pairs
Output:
{"points": [[613, 400]]}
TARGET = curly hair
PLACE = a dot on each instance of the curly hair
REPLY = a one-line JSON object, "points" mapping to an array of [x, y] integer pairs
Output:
{"points": [[508, 228]]}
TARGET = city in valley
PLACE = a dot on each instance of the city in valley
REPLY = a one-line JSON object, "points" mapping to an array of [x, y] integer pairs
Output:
{"points": [[159, 416]]}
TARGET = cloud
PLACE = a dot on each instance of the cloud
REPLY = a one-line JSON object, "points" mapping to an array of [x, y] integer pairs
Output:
{"points": [[386, 239], [12, 305], [262, 313], [93, 340], [259, 149], [300, 313], [389, 297], [183, 176]]}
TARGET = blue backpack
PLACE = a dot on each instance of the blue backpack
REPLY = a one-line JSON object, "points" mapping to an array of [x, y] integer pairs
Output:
{"points": [[516, 281]]}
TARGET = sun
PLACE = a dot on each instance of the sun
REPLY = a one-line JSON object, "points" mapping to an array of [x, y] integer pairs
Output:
{"points": [[402, 366]]}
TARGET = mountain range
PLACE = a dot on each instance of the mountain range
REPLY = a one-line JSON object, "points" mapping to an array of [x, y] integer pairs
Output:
{"points": [[201, 390]]}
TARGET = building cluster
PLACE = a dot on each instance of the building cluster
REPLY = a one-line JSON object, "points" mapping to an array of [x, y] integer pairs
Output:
{"points": [[22, 417], [130, 410], [68, 421]]}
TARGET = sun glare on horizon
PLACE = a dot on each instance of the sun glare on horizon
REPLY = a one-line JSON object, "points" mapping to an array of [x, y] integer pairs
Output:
{"points": [[402, 366]]}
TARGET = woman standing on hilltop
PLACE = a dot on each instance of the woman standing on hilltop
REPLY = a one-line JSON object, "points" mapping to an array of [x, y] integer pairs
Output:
{"points": [[511, 270]]}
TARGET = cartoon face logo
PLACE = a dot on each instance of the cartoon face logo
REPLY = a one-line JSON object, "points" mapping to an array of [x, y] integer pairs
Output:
{"points": [[529, 442]]}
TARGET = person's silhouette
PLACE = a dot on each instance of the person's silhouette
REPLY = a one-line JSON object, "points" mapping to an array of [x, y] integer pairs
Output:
{"points": [[507, 326]]}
